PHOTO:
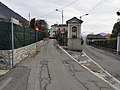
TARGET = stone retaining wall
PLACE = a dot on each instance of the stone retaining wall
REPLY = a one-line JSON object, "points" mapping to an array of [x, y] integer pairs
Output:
{"points": [[20, 53]]}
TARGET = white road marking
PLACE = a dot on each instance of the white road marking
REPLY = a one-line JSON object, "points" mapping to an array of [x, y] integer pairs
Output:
{"points": [[117, 87], [6, 82], [82, 55], [85, 61]]}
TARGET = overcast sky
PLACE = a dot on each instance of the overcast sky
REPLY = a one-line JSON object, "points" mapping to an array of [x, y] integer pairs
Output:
{"points": [[100, 19]]}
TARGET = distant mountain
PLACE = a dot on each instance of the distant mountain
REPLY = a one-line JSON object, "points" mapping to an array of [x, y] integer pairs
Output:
{"points": [[103, 34], [84, 36], [8, 13]]}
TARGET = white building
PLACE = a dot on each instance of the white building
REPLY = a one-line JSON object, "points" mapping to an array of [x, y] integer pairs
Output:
{"points": [[53, 30], [56, 28]]}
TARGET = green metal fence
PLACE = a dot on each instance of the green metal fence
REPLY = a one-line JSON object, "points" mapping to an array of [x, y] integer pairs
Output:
{"points": [[22, 36]]}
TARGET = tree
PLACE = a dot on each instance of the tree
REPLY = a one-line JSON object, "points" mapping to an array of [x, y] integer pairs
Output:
{"points": [[32, 23], [43, 27], [116, 29], [118, 13]]}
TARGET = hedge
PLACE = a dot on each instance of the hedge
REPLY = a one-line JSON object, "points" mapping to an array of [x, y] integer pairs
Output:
{"points": [[112, 44]]}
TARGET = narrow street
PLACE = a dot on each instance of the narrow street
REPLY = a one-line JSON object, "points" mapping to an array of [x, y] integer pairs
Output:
{"points": [[47, 45], [51, 69]]}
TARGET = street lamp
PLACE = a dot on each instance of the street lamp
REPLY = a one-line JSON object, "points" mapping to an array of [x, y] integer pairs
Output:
{"points": [[118, 13], [83, 15], [61, 13], [81, 18]]}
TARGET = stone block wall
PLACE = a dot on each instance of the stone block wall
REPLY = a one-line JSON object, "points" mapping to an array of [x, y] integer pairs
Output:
{"points": [[20, 53]]}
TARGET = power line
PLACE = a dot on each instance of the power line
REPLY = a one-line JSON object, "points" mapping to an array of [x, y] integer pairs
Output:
{"points": [[47, 14], [60, 8], [69, 4], [96, 6]]}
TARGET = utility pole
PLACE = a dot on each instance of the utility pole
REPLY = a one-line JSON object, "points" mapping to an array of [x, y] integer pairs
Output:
{"points": [[62, 16], [29, 18], [118, 37]]}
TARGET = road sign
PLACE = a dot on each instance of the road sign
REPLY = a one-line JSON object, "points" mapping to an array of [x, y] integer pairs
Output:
{"points": [[15, 21], [62, 31], [36, 29]]}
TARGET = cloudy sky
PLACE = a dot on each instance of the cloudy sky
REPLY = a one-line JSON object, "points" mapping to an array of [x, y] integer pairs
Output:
{"points": [[101, 18]]}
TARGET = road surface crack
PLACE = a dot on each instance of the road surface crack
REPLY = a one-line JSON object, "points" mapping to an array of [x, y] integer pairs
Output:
{"points": [[97, 85], [45, 78], [70, 67]]}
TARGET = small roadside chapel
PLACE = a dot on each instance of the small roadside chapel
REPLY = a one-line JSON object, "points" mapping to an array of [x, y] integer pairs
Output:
{"points": [[74, 34]]}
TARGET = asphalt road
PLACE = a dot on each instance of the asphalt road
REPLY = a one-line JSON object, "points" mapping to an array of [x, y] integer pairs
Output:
{"points": [[51, 69], [109, 61]]}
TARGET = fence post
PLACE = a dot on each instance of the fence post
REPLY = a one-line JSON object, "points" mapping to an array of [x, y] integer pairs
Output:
{"points": [[118, 44]]}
